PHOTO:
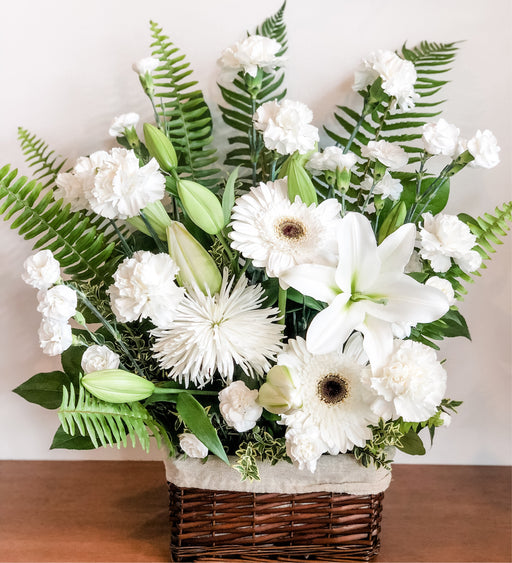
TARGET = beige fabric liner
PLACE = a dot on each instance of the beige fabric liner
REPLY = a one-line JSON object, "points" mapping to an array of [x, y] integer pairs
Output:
{"points": [[337, 474]]}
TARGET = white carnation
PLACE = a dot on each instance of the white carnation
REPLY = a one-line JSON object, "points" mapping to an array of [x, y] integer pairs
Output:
{"points": [[304, 446], [122, 122], [75, 187], [41, 270], [238, 406], [57, 303], [484, 148], [146, 65], [441, 138], [286, 126], [98, 358], [250, 54], [192, 446], [443, 285], [144, 288], [54, 336], [398, 77], [122, 189], [444, 237], [411, 384], [390, 155], [388, 187], [332, 158]]}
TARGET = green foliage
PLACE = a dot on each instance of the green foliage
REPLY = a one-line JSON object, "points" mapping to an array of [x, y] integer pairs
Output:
{"points": [[196, 420], [44, 389], [385, 435], [186, 118], [452, 324], [107, 423], [245, 94], [62, 440], [80, 245], [38, 155], [263, 447]]}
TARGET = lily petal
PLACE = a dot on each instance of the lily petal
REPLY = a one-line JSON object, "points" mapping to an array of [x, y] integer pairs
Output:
{"points": [[330, 329], [359, 261], [396, 249], [314, 280], [378, 340]]}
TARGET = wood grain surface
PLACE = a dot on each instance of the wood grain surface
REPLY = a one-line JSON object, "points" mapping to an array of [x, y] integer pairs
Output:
{"points": [[116, 511]]}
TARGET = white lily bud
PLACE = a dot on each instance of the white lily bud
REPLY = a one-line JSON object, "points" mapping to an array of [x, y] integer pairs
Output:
{"points": [[278, 394]]}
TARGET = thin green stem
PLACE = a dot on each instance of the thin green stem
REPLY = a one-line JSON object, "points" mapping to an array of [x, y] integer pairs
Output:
{"points": [[152, 232], [164, 391], [273, 169], [282, 304], [108, 326], [124, 243], [360, 121], [227, 249]]}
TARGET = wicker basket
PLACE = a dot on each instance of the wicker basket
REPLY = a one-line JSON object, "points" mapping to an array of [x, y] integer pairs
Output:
{"points": [[215, 524]]}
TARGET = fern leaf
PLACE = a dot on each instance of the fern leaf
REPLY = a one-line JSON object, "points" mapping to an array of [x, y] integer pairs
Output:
{"points": [[80, 245], [275, 28], [108, 423], [183, 110], [38, 155]]}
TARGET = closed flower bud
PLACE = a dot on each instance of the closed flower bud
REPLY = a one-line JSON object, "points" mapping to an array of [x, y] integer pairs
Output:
{"points": [[157, 217], [202, 206], [299, 183], [160, 147], [278, 394], [196, 266], [117, 386]]}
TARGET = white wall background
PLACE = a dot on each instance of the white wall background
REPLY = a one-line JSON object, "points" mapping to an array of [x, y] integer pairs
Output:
{"points": [[66, 71]]}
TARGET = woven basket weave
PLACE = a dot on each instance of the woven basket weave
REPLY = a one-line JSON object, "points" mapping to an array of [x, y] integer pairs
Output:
{"points": [[215, 524]]}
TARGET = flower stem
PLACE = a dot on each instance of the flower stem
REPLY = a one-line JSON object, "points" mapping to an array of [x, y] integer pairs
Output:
{"points": [[360, 121], [126, 247], [282, 304], [166, 391], [154, 236]]}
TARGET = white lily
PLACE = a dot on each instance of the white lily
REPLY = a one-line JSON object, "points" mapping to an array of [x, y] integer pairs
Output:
{"points": [[367, 291]]}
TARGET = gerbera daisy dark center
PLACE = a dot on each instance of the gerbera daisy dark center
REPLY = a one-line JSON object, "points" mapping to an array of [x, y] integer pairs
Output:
{"points": [[332, 389], [291, 229]]}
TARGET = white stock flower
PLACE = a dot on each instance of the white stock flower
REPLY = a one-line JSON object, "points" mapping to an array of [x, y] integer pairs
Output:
{"points": [[57, 303], [75, 187], [41, 270], [441, 138], [122, 189], [411, 384], [251, 53], [122, 122], [145, 65], [390, 155], [443, 285], [444, 237], [98, 358], [304, 447], [144, 288], [332, 158], [277, 234], [286, 126], [485, 150], [387, 186], [335, 401], [238, 406], [216, 332], [54, 336], [367, 291], [192, 446], [398, 77]]}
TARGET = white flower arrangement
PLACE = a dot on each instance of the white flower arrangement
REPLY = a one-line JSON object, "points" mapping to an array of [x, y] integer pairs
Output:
{"points": [[296, 295]]}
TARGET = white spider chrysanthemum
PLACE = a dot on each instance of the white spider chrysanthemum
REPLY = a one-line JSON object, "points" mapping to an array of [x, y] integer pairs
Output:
{"points": [[216, 332], [336, 400], [278, 234]]}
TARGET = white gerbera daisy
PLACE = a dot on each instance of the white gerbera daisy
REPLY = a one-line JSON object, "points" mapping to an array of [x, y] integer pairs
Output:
{"points": [[335, 398], [217, 332], [278, 234]]}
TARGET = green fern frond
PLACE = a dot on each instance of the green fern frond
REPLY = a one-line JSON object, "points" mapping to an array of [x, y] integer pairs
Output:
{"points": [[240, 104], [108, 423], [77, 243], [38, 154], [183, 111]]}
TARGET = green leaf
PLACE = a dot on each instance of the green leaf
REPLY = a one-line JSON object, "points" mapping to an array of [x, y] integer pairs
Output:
{"points": [[44, 389], [197, 421], [71, 363], [437, 202], [61, 440], [228, 197], [411, 444]]}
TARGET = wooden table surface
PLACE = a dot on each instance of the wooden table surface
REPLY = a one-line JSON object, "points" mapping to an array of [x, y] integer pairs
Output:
{"points": [[116, 511]]}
